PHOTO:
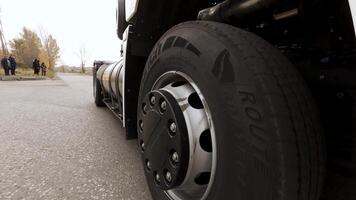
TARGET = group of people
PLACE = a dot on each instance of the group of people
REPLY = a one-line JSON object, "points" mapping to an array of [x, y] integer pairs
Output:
{"points": [[9, 65], [37, 67]]}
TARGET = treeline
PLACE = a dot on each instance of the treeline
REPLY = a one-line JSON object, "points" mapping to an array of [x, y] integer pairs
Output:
{"points": [[31, 45]]}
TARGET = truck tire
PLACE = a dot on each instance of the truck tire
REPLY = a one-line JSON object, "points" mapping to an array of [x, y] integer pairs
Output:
{"points": [[222, 114], [97, 91]]}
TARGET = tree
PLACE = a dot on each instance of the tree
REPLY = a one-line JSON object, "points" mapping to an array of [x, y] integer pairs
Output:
{"points": [[4, 49], [18, 48], [82, 56], [27, 47], [50, 54], [30, 46]]}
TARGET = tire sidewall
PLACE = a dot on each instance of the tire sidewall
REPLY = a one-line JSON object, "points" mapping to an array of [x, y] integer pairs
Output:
{"points": [[232, 145], [98, 96]]}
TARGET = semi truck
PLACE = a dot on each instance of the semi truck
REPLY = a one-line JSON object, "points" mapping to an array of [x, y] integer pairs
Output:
{"points": [[237, 99]]}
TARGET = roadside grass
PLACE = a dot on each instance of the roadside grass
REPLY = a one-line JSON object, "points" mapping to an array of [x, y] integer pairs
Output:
{"points": [[27, 72]]}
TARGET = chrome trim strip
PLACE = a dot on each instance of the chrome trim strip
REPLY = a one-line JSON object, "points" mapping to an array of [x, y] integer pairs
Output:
{"points": [[352, 4], [130, 8]]}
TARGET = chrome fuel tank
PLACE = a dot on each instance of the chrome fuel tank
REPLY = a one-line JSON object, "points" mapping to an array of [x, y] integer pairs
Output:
{"points": [[111, 78]]}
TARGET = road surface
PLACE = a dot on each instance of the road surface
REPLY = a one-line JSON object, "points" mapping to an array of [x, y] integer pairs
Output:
{"points": [[55, 144]]}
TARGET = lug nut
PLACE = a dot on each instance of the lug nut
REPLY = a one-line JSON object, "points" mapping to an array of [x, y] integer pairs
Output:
{"points": [[173, 127], [148, 164], [163, 105], [168, 176], [175, 157], [158, 178], [145, 108], [141, 125], [153, 100], [143, 146]]}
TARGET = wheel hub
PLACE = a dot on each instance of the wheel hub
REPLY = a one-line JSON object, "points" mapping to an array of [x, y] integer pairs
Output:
{"points": [[163, 139], [177, 138]]}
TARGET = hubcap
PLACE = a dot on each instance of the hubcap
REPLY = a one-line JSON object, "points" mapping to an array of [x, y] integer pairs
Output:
{"points": [[161, 138], [176, 129]]}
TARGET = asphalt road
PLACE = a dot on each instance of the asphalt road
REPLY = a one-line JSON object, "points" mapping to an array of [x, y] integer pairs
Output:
{"points": [[55, 144]]}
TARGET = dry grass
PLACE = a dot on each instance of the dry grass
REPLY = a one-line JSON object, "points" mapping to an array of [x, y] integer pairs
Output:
{"points": [[27, 72]]}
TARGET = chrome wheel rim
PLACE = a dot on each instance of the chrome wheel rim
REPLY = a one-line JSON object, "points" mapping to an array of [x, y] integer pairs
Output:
{"points": [[202, 141]]}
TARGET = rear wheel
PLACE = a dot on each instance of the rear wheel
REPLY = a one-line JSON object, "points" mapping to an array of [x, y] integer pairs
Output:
{"points": [[97, 92], [223, 115]]}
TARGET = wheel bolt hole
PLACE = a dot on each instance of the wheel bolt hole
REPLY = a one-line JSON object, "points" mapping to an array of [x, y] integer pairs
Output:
{"points": [[205, 141], [202, 178], [195, 101]]}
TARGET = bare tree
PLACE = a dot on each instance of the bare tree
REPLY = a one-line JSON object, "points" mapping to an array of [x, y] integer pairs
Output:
{"points": [[50, 47], [2, 38], [82, 56]]}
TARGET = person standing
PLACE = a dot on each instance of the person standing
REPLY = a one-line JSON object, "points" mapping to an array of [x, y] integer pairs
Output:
{"points": [[36, 66], [8, 66], [5, 65], [43, 69], [13, 64]]}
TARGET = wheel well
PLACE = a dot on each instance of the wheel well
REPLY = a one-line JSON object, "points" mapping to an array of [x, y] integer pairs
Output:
{"points": [[155, 17], [152, 20]]}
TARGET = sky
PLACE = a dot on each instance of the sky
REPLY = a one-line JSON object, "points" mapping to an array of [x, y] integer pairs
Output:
{"points": [[73, 23]]}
